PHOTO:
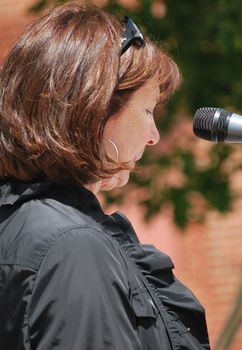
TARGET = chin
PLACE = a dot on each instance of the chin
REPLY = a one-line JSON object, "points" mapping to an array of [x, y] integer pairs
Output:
{"points": [[123, 182], [119, 180]]}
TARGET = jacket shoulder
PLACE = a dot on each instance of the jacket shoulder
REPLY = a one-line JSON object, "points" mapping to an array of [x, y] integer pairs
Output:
{"points": [[86, 250], [27, 234]]}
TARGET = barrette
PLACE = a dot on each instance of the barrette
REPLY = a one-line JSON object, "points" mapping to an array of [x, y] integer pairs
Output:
{"points": [[131, 36]]}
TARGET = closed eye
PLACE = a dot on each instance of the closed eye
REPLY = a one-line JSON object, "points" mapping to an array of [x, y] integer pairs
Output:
{"points": [[149, 112]]}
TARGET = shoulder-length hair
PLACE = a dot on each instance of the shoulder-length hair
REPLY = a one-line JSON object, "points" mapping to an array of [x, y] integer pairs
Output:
{"points": [[60, 83]]}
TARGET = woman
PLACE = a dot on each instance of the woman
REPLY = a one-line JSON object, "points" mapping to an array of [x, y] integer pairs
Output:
{"points": [[77, 94]]}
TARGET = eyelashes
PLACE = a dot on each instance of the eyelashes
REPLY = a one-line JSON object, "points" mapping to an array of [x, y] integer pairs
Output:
{"points": [[148, 112]]}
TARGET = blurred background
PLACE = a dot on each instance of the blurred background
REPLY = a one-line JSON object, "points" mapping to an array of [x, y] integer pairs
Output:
{"points": [[186, 199]]}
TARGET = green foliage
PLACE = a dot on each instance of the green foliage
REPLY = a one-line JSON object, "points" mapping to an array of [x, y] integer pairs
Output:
{"points": [[211, 182], [205, 39]]}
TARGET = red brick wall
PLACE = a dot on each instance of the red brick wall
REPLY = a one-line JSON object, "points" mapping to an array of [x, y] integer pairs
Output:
{"points": [[212, 256], [13, 19], [207, 257]]}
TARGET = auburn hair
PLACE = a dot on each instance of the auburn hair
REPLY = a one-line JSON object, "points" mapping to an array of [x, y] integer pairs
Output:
{"points": [[60, 83]]}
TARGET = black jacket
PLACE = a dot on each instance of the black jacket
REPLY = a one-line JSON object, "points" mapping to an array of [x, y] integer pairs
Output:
{"points": [[74, 278]]}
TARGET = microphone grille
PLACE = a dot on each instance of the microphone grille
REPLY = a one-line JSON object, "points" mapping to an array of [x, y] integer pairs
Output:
{"points": [[203, 123], [209, 128]]}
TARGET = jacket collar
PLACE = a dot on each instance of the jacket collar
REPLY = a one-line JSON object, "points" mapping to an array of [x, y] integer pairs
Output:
{"points": [[15, 193]]}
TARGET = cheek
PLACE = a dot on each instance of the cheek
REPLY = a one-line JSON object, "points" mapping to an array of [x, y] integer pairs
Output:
{"points": [[129, 135], [134, 143], [139, 136]]}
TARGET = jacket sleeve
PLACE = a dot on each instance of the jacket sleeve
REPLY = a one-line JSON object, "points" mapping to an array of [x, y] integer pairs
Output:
{"points": [[81, 297]]}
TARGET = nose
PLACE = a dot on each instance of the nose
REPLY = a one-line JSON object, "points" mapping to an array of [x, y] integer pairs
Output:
{"points": [[154, 136]]}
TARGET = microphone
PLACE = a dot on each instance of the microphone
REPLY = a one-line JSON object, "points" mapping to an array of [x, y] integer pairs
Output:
{"points": [[217, 125]]}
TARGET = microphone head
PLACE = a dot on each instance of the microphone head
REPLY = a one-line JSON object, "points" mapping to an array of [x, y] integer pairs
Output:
{"points": [[211, 124], [203, 123]]}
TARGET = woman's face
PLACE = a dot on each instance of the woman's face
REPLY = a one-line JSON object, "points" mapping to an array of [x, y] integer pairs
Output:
{"points": [[131, 130]]}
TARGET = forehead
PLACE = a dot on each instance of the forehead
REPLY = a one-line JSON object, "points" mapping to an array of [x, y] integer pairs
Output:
{"points": [[150, 91]]}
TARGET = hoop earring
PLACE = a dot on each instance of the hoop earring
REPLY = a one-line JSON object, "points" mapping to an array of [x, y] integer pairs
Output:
{"points": [[115, 147]]}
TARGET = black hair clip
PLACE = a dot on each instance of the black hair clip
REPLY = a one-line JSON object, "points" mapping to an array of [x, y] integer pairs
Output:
{"points": [[131, 36]]}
